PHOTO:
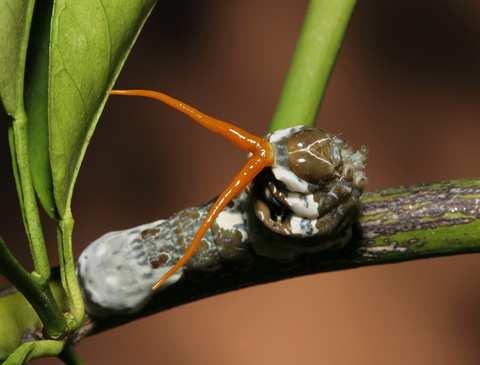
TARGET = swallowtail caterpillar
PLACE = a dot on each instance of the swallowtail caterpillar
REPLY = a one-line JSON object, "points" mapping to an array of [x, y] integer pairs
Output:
{"points": [[298, 192]]}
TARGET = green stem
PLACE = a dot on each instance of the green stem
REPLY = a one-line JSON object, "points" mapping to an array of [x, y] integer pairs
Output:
{"points": [[20, 159], [18, 139], [36, 291], [33, 350], [320, 40], [67, 270]]}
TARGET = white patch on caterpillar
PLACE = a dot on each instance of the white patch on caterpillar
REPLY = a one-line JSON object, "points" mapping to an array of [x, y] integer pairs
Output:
{"points": [[303, 205], [302, 226], [295, 225], [232, 221], [281, 134], [116, 272], [291, 181]]}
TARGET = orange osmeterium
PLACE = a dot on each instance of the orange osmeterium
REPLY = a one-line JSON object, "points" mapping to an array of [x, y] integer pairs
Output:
{"points": [[262, 157]]}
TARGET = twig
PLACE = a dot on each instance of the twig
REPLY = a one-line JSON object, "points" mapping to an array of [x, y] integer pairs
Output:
{"points": [[37, 291], [398, 224]]}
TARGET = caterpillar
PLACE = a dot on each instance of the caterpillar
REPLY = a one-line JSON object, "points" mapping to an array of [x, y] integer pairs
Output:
{"points": [[298, 193]]}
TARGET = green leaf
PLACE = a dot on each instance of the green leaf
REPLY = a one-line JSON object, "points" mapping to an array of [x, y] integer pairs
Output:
{"points": [[36, 102], [15, 17], [89, 42]]}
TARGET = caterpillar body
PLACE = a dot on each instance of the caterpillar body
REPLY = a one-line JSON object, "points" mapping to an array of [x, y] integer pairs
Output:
{"points": [[306, 201]]}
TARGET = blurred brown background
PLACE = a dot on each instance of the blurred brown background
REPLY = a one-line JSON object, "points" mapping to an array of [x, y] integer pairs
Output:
{"points": [[407, 84]]}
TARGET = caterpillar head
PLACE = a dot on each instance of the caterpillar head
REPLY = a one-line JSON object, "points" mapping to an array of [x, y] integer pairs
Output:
{"points": [[313, 187], [308, 159]]}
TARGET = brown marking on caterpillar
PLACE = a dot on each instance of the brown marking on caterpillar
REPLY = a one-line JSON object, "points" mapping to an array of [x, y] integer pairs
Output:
{"points": [[150, 233], [159, 261]]}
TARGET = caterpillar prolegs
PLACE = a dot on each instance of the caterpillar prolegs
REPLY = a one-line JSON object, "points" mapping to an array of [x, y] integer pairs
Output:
{"points": [[298, 193]]}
